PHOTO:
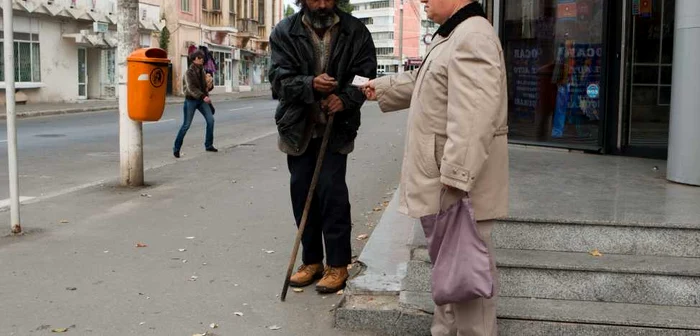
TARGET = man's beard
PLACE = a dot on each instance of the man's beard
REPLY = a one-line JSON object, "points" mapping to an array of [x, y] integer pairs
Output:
{"points": [[320, 18]]}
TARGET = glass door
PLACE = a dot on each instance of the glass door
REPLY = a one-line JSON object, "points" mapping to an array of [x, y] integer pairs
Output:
{"points": [[82, 73], [648, 82]]}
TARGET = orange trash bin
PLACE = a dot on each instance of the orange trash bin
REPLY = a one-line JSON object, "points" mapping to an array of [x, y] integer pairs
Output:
{"points": [[147, 75]]}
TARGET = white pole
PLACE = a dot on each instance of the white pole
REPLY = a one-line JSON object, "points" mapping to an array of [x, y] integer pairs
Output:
{"points": [[401, 37], [130, 132], [11, 115]]}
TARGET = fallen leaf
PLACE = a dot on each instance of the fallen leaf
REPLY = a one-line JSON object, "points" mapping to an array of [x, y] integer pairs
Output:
{"points": [[269, 251], [106, 251], [184, 261], [213, 326], [596, 253], [182, 250], [59, 330], [298, 290], [274, 327], [142, 323], [377, 209], [385, 203], [64, 221], [238, 314], [362, 236], [190, 238], [141, 245], [146, 195], [194, 278], [234, 181], [204, 334], [340, 292], [71, 288]]}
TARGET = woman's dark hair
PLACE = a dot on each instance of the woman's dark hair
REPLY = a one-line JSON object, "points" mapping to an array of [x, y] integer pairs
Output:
{"points": [[196, 54]]}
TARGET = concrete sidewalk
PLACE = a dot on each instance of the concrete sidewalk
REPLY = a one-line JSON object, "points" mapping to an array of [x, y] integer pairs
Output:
{"points": [[94, 105], [218, 229]]}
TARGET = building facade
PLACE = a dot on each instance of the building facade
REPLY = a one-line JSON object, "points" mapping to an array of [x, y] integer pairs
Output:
{"points": [[591, 74], [382, 18], [235, 31], [65, 49]]}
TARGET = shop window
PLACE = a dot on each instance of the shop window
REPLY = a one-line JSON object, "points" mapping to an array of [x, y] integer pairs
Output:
{"points": [[554, 56], [185, 5]]}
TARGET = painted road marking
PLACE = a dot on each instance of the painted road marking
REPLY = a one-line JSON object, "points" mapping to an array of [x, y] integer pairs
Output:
{"points": [[159, 121], [6, 202], [242, 108]]}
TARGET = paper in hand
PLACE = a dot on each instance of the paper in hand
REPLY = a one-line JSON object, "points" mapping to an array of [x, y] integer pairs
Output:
{"points": [[359, 81]]}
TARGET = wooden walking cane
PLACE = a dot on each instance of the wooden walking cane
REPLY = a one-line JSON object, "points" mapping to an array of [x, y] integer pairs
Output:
{"points": [[307, 206]]}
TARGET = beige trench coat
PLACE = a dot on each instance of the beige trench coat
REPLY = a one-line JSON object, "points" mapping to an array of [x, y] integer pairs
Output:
{"points": [[457, 124]]}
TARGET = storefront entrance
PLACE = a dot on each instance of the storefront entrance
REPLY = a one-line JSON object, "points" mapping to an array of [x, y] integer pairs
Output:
{"points": [[647, 84]]}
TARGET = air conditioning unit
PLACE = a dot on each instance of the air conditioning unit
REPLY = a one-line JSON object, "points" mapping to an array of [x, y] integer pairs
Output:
{"points": [[100, 27]]}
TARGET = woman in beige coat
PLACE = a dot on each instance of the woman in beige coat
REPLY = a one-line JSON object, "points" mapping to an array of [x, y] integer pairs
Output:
{"points": [[456, 137]]}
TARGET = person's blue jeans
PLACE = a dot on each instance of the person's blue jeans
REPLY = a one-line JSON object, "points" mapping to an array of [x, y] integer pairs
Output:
{"points": [[188, 114]]}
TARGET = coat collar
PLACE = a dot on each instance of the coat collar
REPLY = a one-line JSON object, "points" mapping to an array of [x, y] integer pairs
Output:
{"points": [[470, 10], [298, 28]]}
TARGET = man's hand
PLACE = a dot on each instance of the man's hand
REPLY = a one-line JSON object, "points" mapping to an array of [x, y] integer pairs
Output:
{"points": [[332, 104], [369, 90], [325, 84], [207, 100]]}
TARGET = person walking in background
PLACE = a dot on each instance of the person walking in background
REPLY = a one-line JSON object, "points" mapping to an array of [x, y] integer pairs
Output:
{"points": [[316, 54], [456, 139], [196, 98]]}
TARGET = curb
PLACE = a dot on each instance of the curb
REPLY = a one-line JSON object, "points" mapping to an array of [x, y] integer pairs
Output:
{"points": [[33, 114]]}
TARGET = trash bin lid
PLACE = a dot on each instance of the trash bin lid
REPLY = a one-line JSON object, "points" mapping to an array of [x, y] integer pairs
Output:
{"points": [[149, 55]]}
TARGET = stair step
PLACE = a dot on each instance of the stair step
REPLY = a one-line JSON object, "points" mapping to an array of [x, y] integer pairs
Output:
{"points": [[614, 263], [600, 313], [580, 276], [660, 240], [527, 317]]}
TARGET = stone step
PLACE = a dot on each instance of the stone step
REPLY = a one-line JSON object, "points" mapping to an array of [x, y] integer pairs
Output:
{"points": [[527, 317], [608, 237], [580, 276]]}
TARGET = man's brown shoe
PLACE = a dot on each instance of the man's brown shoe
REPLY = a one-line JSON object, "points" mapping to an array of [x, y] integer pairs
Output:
{"points": [[334, 279], [306, 275]]}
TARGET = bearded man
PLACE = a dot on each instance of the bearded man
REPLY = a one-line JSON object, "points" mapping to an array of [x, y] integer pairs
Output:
{"points": [[316, 54]]}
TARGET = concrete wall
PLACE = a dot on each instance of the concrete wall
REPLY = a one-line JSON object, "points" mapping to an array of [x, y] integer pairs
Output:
{"points": [[94, 72], [59, 64]]}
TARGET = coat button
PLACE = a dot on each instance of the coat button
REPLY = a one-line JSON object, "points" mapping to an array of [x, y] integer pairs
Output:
{"points": [[454, 171], [464, 174]]}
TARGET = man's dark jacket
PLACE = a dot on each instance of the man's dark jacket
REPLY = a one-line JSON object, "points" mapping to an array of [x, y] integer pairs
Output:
{"points": [[292, 74]]}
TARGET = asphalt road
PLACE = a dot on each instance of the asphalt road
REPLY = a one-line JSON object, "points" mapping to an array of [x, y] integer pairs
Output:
{"points": [[60, 153], [218, 230]]}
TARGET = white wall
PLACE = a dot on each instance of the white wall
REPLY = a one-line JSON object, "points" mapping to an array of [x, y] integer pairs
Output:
{"points": [[59, 63], [94, 69]]}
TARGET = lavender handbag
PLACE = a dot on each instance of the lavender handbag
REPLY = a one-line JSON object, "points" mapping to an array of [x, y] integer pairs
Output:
{"points": [[461, 266]]}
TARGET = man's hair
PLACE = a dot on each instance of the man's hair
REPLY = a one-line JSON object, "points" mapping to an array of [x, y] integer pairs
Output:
{"points": [[302, 4], [196, 54]]}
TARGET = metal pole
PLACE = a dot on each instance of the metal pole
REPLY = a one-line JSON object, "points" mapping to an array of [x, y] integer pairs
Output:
{"points": [[11, 115], [683, 149], [401, 37], [130, 132]]}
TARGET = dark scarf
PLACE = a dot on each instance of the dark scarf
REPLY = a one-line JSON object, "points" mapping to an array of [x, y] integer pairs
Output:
{"points": [[470, 10]]}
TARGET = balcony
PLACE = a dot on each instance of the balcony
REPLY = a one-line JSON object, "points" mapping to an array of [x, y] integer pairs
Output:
{"points": [[212, 18], [247, 28]]}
